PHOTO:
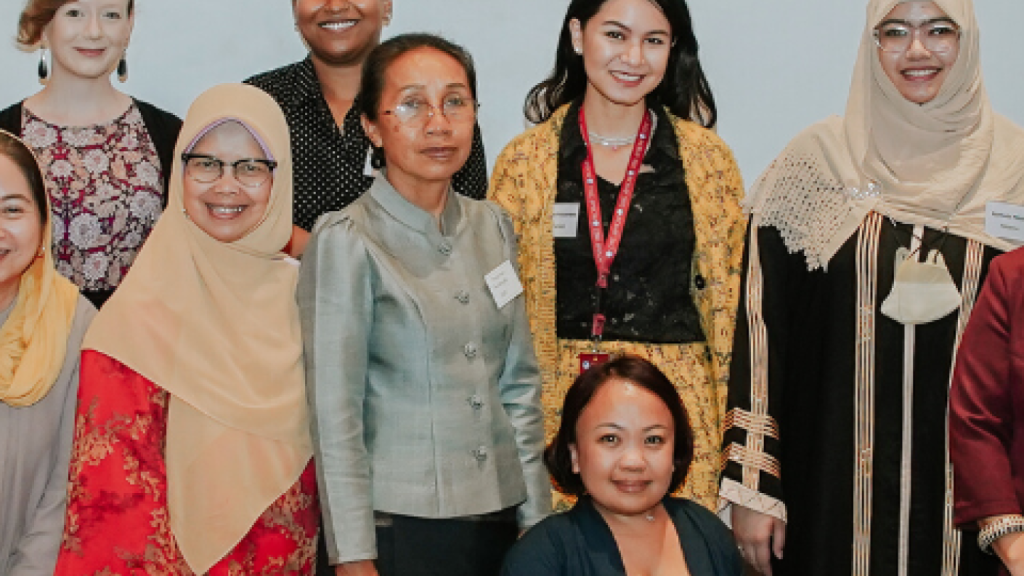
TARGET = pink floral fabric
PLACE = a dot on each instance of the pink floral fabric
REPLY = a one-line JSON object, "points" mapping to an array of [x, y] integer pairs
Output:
{"points": [[105, 191]]}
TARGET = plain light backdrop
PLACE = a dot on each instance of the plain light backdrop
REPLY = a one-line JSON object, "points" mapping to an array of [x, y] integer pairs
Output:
{"points": [[774, 66]]}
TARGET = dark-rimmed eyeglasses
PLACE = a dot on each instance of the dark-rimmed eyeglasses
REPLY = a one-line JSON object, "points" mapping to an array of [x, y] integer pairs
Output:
{"points": [[938, 35], [251, 172]]}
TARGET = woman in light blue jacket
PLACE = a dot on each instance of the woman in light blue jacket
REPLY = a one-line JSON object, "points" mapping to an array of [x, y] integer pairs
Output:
{"points": [[420, 366]]}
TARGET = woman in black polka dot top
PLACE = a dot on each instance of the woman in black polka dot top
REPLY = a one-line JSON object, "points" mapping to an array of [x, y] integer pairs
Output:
{"points": [[330, 150]]}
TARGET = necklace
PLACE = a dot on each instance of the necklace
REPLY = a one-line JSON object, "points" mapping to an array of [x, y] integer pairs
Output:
{"points": [[613, 142], [616, 142]]}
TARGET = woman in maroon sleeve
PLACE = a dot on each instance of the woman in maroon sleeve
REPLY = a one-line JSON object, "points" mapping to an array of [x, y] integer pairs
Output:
{"points": [[986, 425]]}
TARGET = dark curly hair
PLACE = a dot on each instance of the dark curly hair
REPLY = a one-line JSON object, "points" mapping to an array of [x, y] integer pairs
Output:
{"points": [[557, 456], [684, 90]]}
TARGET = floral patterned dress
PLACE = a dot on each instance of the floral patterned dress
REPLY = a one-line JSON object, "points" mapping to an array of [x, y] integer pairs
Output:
{"points": [[106, 194], [117, 517]]}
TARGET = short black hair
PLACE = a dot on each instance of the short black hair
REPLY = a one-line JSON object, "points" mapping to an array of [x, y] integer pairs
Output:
{"points": [[23, 157], [380, 59], [557, 456], [371, 85]]}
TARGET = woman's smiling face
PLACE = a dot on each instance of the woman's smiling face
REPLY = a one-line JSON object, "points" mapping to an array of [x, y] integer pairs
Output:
{"points": [[917, 72], [226, 209]]}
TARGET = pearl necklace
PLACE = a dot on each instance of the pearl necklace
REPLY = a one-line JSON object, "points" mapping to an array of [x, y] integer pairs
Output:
{"points": [[616, 142], [611, 142]]}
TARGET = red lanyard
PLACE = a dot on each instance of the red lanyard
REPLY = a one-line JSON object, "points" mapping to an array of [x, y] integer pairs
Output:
{"points": [[605, 250]]}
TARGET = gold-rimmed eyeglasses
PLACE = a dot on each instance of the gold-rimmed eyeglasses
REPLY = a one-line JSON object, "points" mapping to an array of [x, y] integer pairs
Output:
{"points": [[936, 35]]}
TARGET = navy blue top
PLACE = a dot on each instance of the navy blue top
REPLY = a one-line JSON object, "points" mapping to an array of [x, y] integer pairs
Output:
{"points": [[579, 543]]}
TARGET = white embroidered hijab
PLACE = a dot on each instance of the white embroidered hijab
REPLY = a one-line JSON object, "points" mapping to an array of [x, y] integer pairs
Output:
{"points": [[936, 164]]}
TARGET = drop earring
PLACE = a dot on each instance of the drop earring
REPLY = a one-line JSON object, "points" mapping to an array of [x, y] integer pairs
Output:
{"points": [[122, 67], [44, 70]]}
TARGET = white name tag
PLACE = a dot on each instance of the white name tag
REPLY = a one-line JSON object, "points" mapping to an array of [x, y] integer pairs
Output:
{"points": [[504, 284], [566, 219], [1004, 221]]}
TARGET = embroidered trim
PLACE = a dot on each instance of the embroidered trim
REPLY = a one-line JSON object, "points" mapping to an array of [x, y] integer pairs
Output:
{"points": [[764, 425], [907, 449], [800, 197], [737, 493], [758, 415], [753, 460], [951, 537], [864, 382]]}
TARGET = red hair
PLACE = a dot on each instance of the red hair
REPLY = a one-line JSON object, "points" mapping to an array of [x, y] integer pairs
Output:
{"points": [[37, 14]]}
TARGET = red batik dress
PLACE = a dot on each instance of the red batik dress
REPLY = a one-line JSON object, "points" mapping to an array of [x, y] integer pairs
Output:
{"points": [[117, 518]]}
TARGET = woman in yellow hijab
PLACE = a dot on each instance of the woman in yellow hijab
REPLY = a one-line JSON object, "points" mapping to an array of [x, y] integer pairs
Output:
{"points": [[43, 320], [192, 452]]}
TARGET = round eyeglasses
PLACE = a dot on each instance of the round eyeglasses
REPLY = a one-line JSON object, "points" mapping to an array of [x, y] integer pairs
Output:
{"points": [[251, 172], [416, 112], [935, 35]]}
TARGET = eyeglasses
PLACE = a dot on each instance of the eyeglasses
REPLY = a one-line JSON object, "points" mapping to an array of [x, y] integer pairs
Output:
{"points": [[941, 35], [251, 172], [416, 111]]}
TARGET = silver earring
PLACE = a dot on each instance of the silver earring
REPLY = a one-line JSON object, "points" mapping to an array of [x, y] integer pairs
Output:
{"points": [[44, 70]]}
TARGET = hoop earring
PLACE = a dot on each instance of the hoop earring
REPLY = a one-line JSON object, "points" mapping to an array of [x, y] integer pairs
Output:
{"points": [[122, 67], [43, 70]]}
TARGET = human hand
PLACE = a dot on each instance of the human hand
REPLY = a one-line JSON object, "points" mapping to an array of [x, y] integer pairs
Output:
{"points": [[297, 244], [358, 568], [1009, 548], [758, 536]]}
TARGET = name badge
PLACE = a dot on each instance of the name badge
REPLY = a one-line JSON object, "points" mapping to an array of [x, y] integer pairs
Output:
{"points": [[566, 219], [504, 284], [588, 361], [1004, 221]]}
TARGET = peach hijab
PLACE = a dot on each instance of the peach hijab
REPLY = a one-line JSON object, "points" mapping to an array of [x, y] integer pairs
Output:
{"points": [[216, 325], [936, 164]]}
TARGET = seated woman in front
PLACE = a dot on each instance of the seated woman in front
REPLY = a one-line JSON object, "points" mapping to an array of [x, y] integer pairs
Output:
{"points": [[624, 444]]}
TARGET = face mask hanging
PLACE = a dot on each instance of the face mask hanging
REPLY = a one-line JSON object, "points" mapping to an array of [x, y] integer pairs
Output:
{"points": [[923, 291]]}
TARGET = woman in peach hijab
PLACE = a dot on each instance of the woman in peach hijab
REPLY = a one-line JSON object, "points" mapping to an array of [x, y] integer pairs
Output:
{"points": [[192, 452]]}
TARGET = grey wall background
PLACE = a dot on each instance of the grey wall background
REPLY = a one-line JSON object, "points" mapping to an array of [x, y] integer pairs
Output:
{"points": [[774, 66]]}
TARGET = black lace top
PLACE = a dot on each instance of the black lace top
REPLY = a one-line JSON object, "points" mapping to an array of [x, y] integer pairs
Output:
{"points": [[648, 295]]}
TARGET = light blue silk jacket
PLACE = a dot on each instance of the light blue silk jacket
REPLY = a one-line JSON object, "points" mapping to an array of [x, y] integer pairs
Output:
{"points": [[425, 394]]}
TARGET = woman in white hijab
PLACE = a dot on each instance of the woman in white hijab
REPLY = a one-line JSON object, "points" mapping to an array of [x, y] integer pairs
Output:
{"points": [[870, 237]]}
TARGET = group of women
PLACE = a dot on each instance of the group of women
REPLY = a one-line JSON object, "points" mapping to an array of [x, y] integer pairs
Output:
{"points": [[611, 323]]}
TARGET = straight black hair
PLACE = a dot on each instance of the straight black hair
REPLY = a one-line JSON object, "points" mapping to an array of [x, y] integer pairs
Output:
{"points": [[684, 90]]}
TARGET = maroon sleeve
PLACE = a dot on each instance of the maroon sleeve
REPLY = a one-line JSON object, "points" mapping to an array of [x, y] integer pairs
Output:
{"points": [[981, 403]]}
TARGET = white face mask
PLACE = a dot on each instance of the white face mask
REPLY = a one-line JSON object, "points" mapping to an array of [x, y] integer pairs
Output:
{"points": [[923, 291]]}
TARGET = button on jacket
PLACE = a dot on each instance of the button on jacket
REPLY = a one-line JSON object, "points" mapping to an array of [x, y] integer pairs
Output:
{"points": [[426, 395]]}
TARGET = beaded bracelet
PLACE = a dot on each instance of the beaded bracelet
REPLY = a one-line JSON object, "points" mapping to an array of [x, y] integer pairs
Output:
{"points": [[998, 529]]}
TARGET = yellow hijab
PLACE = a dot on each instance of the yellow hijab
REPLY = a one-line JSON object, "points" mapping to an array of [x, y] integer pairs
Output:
{"points": [[216, 325], [33, 340]]}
